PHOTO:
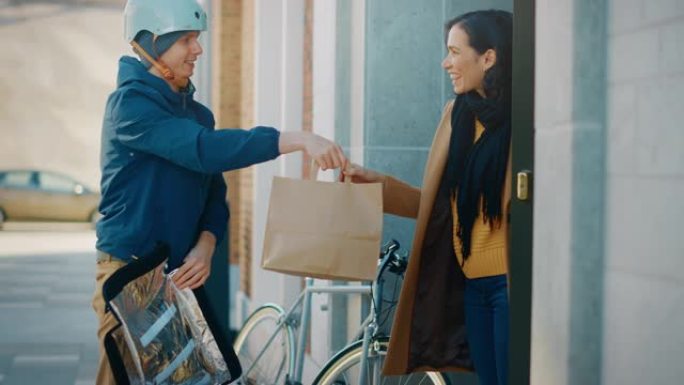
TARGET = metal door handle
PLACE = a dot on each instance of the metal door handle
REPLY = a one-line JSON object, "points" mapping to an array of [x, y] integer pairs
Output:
{"points": [[523, 186]]}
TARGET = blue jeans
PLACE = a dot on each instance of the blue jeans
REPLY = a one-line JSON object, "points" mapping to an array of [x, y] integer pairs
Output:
{"points": [[486, 315]]}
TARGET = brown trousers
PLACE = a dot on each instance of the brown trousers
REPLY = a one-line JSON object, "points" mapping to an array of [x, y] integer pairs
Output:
{"points": [[105, 321]]}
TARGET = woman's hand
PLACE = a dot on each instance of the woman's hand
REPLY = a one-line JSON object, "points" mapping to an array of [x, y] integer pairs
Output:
{"points": [[363, 175], [197, 264], [326, 153]]}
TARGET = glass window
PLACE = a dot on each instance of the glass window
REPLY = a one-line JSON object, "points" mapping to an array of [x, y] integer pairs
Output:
{"points": [[21, 179], [52, 182]]}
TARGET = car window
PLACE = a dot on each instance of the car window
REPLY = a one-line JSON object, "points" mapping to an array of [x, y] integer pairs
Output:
{"points": [[20, 179], [58, 183]]}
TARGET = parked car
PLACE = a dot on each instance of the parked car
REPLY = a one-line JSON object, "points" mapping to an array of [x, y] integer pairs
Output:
{"points": [[27, 195]]}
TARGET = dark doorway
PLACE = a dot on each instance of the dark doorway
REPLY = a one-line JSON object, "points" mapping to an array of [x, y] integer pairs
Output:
{"points": [[520, 266]]}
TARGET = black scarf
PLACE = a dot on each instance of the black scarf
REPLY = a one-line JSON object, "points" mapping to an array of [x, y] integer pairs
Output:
{"points": [[478, 169]]}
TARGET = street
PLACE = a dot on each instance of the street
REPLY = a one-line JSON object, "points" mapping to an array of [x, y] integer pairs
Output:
{"points": [[47, 327]]}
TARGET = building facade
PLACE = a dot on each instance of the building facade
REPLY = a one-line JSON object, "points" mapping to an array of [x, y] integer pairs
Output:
{"points": [[607, 297]]}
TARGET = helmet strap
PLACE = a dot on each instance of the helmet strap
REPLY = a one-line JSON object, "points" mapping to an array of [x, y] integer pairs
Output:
{"points": [[159, 65], [166, 72]]}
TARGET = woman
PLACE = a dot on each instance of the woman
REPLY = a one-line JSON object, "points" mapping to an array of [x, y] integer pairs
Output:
{"points": [[453, 308]]}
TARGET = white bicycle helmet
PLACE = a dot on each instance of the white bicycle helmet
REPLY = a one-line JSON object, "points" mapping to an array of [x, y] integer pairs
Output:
{"points": [[162, 16]]}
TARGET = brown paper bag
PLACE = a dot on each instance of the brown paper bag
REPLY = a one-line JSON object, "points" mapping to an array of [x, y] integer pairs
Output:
{"points": [[329, 230]]}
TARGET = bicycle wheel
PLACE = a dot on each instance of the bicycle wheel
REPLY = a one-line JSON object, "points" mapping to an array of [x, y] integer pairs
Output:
{"points": [[276, 361], [344, 367]]}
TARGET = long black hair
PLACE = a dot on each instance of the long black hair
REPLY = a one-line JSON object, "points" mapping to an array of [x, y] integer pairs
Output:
{"points": [[476, 172], [490, 29]]}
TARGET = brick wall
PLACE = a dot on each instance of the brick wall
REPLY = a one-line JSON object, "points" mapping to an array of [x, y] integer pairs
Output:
{"points": [[234, 106], [231, 103], [244, 226]]}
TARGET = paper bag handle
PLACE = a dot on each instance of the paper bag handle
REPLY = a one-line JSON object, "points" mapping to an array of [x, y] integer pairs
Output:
{"points": [[313, 172]]}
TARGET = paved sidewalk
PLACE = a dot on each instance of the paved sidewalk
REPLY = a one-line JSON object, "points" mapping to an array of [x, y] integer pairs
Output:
{"points": [[47, 327]]}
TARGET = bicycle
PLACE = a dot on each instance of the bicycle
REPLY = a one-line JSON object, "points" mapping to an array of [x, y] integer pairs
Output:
{"points": [[279, 361]]}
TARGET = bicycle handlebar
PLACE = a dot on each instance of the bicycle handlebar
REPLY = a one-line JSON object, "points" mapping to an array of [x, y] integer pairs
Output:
{"points": [[390, 258]]}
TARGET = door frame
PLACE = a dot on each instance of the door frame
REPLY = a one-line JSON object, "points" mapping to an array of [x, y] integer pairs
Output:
{"points": [[520, 266]]}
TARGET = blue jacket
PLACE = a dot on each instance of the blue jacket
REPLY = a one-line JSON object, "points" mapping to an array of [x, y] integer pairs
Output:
{"points": [[161, 166]]}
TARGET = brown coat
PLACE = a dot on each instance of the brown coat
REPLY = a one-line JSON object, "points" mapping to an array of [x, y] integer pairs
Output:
{"points": [[429, 325]]}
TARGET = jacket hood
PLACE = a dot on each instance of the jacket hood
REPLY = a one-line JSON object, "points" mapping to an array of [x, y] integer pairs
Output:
{"points": [[132, 73]]}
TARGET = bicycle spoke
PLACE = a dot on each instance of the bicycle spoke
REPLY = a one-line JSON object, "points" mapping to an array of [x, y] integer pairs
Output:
{"points": [[345, 369], [264, 362]]}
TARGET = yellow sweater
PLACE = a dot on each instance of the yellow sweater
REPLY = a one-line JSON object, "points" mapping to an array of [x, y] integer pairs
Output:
{"points": [[489, 246]]}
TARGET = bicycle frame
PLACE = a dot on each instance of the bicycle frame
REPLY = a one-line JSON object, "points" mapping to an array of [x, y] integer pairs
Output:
{"points": [[294, 375], [370, 330]]}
